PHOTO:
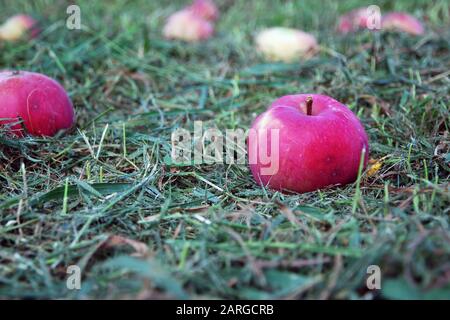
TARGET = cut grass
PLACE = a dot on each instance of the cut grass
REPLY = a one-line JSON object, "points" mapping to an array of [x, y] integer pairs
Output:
{"points": [[209, 230]]}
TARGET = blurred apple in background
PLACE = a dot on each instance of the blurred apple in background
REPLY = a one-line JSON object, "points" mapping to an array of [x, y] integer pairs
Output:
{"points": [[353, 20], [205, 9], [320, 143], [18, 27], [187, 26], [193, 23], [286, 44], [397, 21], [401, 21]]}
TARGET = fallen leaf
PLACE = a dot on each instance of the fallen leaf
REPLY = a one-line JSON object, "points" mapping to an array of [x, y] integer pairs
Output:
{"points": [[374, 167], [140, 248]]}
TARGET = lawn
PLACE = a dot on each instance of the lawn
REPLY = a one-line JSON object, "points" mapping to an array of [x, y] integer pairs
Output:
{"points": [[105, 197]]}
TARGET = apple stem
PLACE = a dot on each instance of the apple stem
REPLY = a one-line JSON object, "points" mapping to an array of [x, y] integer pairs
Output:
{"points": [[309, 105]]}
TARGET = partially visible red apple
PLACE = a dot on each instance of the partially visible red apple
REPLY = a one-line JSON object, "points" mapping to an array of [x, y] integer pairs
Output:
{"points": [[353, 20], [187, 26], [318, 140], [18, 27], [38, 101], [205, 9], [286, 44], [401, 21]]}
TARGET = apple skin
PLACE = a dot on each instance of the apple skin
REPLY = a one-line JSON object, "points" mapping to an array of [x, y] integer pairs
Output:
{"points": [[187, 26], [285, 44], [353, 21], [315, 151], [41, 102], [17, 27], [205, 9], [401, 21]]}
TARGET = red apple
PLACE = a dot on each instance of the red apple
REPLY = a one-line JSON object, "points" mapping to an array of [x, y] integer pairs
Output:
{"points": [[401, 21], [317, 142], [353, 20], [187, 26], [345, 25], [205, 9], [37, 100], [285, 44], [17, 27]]}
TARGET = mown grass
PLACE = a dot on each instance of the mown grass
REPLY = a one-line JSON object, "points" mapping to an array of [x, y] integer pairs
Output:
{"points": [[105, 198]]}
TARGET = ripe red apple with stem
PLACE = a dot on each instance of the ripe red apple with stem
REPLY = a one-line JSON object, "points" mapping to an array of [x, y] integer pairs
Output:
{"points": [[39, 102], [319, 143]]}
